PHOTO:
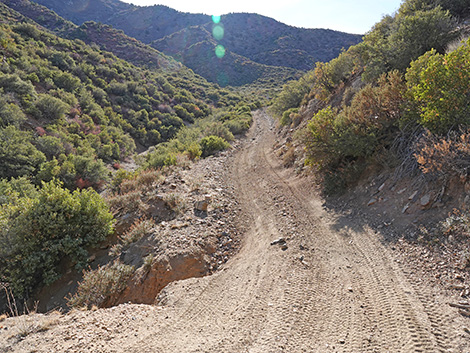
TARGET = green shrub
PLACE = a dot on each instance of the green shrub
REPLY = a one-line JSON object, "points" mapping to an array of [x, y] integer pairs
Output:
{"points": [[51, 146], [286, 118], [218, 129], [194, 151], [75, 171], [18, 156], [237, 126], [37, 233], [11, 114], [119, 177], [13, 83], [438, 84], [163, 156], [212, 144], [414, 34], [50, 108], [292, 94]]}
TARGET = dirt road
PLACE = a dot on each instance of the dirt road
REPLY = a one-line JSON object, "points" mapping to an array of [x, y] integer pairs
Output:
{"points": [[332, 287]]}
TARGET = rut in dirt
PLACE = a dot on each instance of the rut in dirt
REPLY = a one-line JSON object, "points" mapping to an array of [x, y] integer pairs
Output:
{"points": [[332, 288]]}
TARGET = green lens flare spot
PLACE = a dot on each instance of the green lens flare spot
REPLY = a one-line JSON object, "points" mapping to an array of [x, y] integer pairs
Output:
{"points": [[220, 51], [218, 32], [215, 19]]}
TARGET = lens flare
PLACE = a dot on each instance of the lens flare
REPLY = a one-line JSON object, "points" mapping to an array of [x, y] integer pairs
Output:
{"points": [[220, 51], [218, 32], [215, 19]]}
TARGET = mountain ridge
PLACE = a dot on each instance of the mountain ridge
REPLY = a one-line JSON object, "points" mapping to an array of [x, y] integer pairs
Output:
{"points": [[258, 38]]}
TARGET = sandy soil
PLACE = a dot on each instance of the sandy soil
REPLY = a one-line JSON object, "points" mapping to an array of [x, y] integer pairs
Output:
{"points": [[332, 286]]}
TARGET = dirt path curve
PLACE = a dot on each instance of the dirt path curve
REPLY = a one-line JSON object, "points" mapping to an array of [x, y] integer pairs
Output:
{"points": [[335, 289]]}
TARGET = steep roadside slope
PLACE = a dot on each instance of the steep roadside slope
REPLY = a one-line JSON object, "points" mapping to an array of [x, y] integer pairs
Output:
{"points": [[329, 285]]}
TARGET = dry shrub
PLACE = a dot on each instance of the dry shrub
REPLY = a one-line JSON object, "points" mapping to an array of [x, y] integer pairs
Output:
{"points": [[176, 202], [448, 156], [125, 203], [142, 182], [98, 285], [289, 157], [137, 231], [148, 179]]}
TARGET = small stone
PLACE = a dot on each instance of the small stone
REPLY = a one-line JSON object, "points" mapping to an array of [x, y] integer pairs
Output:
{"points": [[284, 247], [413, 195], [425, 200], [372, 202], [201, 205], [405, 208], [381, 187], [350, 289], [279, 241]]}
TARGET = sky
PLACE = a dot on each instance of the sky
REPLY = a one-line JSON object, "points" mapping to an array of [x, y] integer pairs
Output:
{"points": [[352, 16]]}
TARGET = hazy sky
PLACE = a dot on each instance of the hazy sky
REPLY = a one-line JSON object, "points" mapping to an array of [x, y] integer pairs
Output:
{"points": [[353, 16]]}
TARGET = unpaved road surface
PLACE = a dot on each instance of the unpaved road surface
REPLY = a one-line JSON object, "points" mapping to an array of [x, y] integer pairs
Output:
{"points": [[335, 288]]}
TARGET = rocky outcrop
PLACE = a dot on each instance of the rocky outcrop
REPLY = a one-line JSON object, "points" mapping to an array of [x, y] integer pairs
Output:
{"points": [[151, 278]]}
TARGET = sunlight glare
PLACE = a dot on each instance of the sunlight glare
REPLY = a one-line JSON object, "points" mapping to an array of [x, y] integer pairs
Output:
{"points": [[218, 32], [220, 51]]}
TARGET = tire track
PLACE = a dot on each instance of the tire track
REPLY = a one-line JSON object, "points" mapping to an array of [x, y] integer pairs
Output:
{"points": [[333, 290]]}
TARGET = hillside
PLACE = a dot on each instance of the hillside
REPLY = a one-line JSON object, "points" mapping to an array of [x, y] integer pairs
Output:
{"points": [[106, 37], [70, 115], [258, 39]]}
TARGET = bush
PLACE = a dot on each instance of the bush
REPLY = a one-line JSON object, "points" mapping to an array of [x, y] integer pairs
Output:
{"points": [[98, 285], [212, 144], [18, 156], [438, 84], [11, 114], [357, 131], [38, 233], [13, 83], [137, 231], [292, 94], [449, 156], [286, 118], [218, 129], [414, 34], [75, 171], [50, 108]]}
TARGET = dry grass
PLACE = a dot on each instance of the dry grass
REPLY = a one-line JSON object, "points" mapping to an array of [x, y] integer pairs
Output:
{"points": [[176, 202], [137, 231]]}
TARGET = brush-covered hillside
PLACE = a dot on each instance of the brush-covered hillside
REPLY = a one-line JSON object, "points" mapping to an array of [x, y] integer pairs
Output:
{"points": [[70, 115], [399, 100], [257, 47]]}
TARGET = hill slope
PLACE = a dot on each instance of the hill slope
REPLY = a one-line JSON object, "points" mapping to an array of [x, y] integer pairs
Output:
{"points": [[255, 37]]}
